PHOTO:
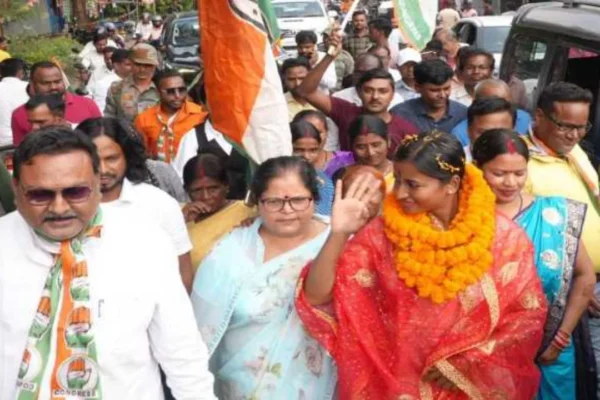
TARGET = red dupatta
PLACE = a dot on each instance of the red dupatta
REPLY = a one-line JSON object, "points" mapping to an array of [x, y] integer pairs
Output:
{"points": [[384, 337]]}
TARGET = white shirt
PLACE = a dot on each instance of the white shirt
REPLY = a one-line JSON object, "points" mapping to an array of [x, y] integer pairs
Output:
{"points": [[350, 94], [460, 94], [144, 29], [99, 89], [394, 41], [141, 312], [95, 59], [156, 32], [13, 94], [329, 79], [153, 204], [98, 74], [188, 146], [89, 47], [406, 91], [395, 74]]}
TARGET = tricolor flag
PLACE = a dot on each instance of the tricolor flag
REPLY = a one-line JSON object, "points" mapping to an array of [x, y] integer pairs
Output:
{"points": [[268, 15], [241, 78], [416, 20]]}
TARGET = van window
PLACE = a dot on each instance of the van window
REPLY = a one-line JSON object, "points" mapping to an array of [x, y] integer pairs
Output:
{"points": [[525, 68], [582, 67], [467, 34]]}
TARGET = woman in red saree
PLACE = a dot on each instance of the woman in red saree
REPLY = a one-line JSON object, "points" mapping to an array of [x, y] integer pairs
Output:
{"points": [[436, 299]]}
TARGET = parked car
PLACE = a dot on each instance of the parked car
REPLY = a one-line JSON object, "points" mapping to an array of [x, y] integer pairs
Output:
{"points": [[180, 43], [487, 33], [558, 41], [294, 16]]}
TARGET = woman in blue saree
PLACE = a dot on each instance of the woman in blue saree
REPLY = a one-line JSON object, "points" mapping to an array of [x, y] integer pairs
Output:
{"points": [[554, 226], [243, 294]]}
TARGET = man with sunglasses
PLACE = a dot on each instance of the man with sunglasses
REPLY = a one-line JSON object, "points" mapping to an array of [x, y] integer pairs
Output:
{"points": [[163, 125], [74, 320], [134, 94], [559, 167]]}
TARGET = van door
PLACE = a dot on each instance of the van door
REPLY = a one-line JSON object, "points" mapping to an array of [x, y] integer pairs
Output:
{"points": [[526, 63]]}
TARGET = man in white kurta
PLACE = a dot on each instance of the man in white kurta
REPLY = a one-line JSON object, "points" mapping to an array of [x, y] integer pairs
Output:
{"points": [[139, 311]]}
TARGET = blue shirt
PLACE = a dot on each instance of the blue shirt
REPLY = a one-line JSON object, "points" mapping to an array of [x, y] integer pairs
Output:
{"points": [[522, 124], [326, 194], [416, 111]]}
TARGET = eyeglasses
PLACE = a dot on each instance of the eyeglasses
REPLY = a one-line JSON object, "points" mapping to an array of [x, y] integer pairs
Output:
{"points": [[276, 204], [42, 197], [563, 128], [176, 90]]}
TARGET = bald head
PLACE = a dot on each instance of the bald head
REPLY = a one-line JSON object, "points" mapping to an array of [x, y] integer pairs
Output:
{"points": [[493, 88], [367, 61], [445, 34]]}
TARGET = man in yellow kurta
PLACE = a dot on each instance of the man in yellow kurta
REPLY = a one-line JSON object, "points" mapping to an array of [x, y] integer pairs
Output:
{"points": [[559, 167]]}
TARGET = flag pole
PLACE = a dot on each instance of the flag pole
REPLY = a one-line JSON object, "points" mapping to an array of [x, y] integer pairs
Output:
{"points": [[345, 21], [348, 16]]}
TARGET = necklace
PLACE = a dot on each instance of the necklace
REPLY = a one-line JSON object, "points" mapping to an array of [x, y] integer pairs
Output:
{"points": [[520, 203]]}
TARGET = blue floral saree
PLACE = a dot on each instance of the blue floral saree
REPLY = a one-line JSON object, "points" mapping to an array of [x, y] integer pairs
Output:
{"points": [[245, 311], [554, 225]]}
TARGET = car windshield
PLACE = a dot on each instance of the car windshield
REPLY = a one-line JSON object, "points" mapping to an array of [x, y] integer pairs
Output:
{"points": [[300, 9], [494, 38], [186, 32]]}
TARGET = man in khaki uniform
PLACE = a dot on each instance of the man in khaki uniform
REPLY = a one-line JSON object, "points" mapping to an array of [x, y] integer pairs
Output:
{"points": [[134, 94]]}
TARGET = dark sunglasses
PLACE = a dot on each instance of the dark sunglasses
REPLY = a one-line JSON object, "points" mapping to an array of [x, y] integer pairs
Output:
{"points": [[176, 90], [75, 194]]}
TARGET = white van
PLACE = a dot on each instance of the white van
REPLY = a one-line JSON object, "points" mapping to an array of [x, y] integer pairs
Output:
{"points": [[294, 16]]}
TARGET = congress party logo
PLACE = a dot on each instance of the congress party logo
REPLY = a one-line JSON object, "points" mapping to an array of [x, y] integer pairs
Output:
{"points": [[76, 375], [31, 364], [41, 320], [79, 328], [249, 11], [80, 283]]}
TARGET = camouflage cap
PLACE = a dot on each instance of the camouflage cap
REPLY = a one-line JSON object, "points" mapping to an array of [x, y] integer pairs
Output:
{"points": [[144, 54]]}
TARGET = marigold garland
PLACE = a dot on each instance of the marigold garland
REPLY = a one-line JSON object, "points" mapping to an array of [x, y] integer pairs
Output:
{"points": [[440, 264]]}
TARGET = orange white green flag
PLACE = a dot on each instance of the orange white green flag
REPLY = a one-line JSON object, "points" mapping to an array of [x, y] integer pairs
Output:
{"points": [[242, 82]]}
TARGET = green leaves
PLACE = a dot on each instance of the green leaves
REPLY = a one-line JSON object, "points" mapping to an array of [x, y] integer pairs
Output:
{"points": [[40, 48]]}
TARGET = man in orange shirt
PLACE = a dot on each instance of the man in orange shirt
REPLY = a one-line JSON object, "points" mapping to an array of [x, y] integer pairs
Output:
{"points": [[163, 125]]}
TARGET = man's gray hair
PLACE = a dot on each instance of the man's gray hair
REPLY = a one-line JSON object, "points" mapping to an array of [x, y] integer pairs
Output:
{"points": [[450, 34], [490, 83]]}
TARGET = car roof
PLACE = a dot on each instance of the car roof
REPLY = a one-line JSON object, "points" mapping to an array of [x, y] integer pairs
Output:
{"points": [[492, 20], [581, 21]]}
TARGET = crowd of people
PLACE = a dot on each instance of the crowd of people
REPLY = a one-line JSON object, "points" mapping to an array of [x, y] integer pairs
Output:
{"points": [[428, 238]]}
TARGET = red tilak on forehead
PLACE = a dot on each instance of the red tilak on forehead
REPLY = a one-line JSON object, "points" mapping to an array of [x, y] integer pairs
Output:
{"points": [[510, 146], [364, 130]]}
